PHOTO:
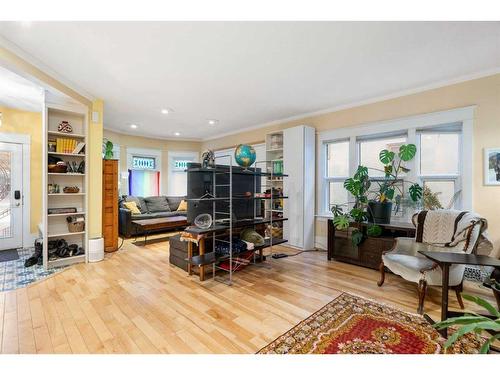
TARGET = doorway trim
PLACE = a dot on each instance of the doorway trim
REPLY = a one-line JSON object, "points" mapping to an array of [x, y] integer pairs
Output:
{"points": [[25, 141]]}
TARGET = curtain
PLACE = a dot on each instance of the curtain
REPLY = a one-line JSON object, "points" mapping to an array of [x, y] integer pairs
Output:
{"points": [[143, 183]]}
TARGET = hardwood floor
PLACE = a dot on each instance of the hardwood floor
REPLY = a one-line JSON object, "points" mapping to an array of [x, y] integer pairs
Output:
{"points": [[136, 302]]}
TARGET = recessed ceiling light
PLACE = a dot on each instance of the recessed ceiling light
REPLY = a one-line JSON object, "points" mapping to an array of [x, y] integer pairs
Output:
{"points": [[177, 134], [212, 121], [166, 111], [133, 126]]}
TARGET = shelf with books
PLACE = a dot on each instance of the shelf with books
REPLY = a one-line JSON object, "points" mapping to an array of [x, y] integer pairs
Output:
{"points": [[65, 137]]}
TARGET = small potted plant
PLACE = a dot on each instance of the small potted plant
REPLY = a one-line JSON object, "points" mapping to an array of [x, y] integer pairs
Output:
{"points": [[474, 323]]}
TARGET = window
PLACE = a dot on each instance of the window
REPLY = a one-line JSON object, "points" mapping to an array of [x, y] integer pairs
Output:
{"points": [[337, 171], [143, 162], [369, 150], [440, 168], [177, 176], [442, 164]]}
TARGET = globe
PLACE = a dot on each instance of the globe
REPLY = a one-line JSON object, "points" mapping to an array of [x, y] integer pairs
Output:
{"points": [[245, 155]]}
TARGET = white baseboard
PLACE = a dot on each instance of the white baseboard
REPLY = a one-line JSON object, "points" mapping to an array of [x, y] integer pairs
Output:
{"points": [[321, 242]]}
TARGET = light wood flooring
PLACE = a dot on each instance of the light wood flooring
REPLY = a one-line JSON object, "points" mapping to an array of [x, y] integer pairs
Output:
{"points": [[136, 302]]}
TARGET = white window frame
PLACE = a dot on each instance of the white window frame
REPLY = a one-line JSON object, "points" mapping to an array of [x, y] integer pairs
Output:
{"points": [[456, 178], [412, 124], [178, 154], [329, 179], [149, 153]]}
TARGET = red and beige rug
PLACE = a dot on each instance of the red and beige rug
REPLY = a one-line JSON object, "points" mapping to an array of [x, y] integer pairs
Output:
{"points": [[354, 325]]}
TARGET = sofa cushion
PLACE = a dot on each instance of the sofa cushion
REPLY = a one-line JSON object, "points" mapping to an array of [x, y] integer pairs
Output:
{"points": [[132, 206], [174, 202], [157, 204], [139, 201]]}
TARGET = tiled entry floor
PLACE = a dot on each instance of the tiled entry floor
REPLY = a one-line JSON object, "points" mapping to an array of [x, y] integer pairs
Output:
{"points": [[14, 275]]}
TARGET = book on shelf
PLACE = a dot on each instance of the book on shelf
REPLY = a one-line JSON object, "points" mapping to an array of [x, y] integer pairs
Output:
{"points": [[79, 148], [65, 145]]}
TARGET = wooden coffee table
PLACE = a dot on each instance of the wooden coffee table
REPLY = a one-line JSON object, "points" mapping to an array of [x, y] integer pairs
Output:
{"points": [[149, 225]]}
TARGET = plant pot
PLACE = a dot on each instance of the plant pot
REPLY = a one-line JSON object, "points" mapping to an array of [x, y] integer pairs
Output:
{"points": [[496, 293], [380, 213]]}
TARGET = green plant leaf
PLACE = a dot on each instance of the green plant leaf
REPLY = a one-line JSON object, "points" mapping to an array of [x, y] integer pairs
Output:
{"points": [[386, 156], [486, 346], [460, 320], [389, 193], [416, 192], [407, 152], [341, 222], [352, 186], [336, 210], [356, 237], [361, 172], [374, 231], [483, 303], [358, 214], [459, 333]]}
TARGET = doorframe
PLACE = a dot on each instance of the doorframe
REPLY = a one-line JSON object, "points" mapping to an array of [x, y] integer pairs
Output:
{"points": [[25, 141]]}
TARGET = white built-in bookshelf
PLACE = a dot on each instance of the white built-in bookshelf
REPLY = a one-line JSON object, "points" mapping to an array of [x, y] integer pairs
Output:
{"points": [[60, 145], [274, 157]]}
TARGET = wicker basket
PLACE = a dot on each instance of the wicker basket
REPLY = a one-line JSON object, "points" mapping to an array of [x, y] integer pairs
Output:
{"points": [[55, 168], [71, 189], [76, 226]]}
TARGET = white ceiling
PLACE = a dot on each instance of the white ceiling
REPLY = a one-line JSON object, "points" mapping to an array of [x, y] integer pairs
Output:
{"points": [[246, 74], [19, 93]]}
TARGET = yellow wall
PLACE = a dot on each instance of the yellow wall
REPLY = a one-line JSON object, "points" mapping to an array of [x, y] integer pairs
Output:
{"points": [[483, 92], [28, 123], [130, 141], [95, 170]]}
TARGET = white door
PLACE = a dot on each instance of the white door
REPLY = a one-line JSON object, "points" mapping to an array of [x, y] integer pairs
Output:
{"points": [[11, 196]]}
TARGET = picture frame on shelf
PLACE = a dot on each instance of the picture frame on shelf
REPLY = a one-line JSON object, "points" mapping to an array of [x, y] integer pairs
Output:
{"points": [[492, 166]]}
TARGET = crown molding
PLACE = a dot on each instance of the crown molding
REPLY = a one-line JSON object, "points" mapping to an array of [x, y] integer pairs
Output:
{"points": [[372, 100], [30, 59], [136, 133]]}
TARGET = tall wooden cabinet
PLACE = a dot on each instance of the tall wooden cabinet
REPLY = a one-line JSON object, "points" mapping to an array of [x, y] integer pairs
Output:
{"points": [[110, 204]]}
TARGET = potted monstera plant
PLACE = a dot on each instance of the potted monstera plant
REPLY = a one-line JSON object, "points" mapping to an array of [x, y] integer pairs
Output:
{"points": [[358, 185], [390, 189], [391, 186]]}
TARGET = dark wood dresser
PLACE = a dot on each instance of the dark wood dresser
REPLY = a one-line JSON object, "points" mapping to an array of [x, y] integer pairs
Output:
{"points": [[110, 204], [369, 252]]}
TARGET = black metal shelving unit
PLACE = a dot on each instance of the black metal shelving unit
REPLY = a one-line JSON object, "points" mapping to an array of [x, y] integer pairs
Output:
{"points": [[225, 230]]}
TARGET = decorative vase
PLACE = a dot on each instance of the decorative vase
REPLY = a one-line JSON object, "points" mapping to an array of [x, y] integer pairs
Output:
{"points": [[380, 213]]}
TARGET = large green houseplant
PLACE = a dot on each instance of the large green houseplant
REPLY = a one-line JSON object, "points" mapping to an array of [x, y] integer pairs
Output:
{"points": [[379, 209], [390, 187], [474, 323]]}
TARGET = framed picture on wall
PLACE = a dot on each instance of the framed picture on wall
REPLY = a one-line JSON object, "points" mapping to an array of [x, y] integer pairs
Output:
{"points": [[492, 166]]}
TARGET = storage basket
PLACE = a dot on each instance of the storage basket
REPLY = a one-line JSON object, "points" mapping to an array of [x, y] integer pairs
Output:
{"points": [[57, 168], [71, 190], [76, 226]]}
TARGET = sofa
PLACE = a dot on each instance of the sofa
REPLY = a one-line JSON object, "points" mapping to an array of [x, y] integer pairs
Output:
{"points": [[150, 207]]}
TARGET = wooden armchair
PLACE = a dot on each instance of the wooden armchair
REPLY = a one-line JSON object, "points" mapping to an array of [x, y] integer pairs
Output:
{"points": [[405, 260]]}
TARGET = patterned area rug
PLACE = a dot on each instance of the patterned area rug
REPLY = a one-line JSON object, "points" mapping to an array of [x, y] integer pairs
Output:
{"points": [[354, 325], [14, 275]]}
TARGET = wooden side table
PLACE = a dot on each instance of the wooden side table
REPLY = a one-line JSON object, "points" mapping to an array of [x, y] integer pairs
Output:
{"points": [[445, 260]]}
